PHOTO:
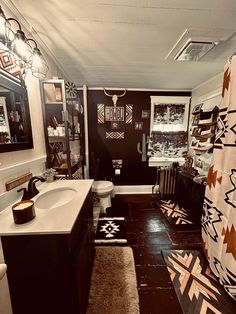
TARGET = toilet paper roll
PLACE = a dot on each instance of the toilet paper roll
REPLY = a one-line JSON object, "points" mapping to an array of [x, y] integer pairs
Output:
{"points": [[117, 172]]}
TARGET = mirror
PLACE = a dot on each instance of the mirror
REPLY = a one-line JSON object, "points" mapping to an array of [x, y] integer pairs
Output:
{"points": [[15, 125]]}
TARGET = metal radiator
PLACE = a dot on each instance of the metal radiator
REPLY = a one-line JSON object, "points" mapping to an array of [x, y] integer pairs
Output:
{"points": [[168, 179]]}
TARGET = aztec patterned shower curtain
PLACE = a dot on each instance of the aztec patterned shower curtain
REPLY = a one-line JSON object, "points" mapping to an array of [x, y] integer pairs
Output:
{"points": [[219, 209]]}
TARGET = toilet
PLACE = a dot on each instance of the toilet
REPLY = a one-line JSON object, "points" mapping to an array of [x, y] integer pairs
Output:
{"points": [[103, 190]]}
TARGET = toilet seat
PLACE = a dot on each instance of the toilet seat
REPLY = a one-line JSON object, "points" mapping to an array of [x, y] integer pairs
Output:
{"points": [[102, 186]]}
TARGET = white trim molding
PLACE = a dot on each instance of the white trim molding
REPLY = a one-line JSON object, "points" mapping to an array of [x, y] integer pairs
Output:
{"points": [[133, 189]]}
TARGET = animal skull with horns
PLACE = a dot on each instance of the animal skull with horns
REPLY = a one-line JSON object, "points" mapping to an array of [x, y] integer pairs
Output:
{"points": [[114, 96]]}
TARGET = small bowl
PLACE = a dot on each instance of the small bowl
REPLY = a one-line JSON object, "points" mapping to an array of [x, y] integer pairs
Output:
{"points": [[23, 211]]}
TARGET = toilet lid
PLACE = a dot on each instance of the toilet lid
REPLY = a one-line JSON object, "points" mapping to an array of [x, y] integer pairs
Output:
{"points": [[102, 186]]}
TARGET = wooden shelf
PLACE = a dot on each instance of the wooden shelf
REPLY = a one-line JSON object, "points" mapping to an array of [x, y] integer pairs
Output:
{"points": [[63, 169]]}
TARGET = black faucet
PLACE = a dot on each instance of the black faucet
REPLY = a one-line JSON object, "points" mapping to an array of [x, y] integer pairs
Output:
{"points": [[32, 190]]}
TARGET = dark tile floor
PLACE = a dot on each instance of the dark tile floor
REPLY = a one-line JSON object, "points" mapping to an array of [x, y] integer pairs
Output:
{"points": [[148, 232]]}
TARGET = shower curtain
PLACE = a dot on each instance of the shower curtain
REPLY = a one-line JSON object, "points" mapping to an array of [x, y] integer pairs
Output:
{"points": [[219, 209]]}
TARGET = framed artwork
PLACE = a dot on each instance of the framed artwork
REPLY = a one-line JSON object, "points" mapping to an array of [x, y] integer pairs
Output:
{"points": [[138, 126], [145, 114], [169, 113]]}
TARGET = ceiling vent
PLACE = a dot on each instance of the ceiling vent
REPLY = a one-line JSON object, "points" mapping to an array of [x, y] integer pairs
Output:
{"points": [[194, 44], [194, 50]]}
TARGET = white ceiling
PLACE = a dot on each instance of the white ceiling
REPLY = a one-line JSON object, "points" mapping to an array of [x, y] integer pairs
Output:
{"points": [[123, 43]]}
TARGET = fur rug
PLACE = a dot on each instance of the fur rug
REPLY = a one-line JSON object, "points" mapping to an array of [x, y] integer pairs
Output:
{"points": [[114, 285]]}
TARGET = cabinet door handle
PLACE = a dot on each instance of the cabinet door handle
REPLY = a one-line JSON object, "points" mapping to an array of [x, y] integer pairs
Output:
{"points": [[3, 269]]}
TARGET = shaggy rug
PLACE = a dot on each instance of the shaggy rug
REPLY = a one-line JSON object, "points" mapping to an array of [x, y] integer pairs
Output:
{"points": [[196, 287], [111, 231], [114, 285]]}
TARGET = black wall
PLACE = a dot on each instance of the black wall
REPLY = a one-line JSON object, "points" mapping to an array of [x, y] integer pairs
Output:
{"points": [[134, 171]]}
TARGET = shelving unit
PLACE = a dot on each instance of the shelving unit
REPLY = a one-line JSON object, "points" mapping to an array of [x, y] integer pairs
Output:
{"points": [[63, 125]]}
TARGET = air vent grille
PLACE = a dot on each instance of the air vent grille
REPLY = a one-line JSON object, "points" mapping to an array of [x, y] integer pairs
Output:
{"points": [[194, 50]]}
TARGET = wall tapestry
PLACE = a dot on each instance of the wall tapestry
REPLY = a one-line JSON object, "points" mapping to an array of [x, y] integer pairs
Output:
{"points": [[115, 135], [219, 209], [7, 63], [129, 114], [100, 113]]}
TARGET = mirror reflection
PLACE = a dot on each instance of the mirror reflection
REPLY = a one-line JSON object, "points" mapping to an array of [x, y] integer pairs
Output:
{"points": [[15, 126]]}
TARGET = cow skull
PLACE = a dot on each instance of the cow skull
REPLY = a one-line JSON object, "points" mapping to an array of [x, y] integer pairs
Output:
{"points": [[114, 96]]}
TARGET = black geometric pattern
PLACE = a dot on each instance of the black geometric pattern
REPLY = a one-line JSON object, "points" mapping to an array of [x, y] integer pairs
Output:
{"points": [[230, 194], [210, 217], [226, 278], [221, 129], [71, 90]]}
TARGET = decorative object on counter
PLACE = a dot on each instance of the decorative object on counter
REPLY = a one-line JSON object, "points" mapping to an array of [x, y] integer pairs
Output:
{"points": [[49, 175], [4, 137], [143, 151], [200, 179], [187, 167], [18, 181], [23, 211]]}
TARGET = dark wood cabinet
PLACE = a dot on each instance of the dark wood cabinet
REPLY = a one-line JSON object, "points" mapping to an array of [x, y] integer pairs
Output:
{"points": [[191, 196], [51, 273]]}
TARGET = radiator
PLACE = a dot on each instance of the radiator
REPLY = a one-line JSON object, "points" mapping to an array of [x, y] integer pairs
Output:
{"points": [[168, 179]]}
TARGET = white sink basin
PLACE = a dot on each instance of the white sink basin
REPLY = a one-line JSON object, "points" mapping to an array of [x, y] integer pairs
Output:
{"points": [[55, 198]]}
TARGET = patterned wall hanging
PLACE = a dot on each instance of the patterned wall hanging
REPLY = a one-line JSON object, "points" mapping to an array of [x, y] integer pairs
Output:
{"points": [[115, 135], [129, 114], [219, 211], [115, 125], [114, 113], [100, 113], [7, 64], [71, 90]]}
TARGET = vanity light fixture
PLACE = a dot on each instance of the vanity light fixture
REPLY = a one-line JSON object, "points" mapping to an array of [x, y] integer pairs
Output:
{"points": [[19, 45], [16, 43], [4, 29], [36, 62]]}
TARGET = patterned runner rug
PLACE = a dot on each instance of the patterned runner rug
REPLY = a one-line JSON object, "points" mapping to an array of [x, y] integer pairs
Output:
{"points": [[111, 231], [174, 213], [196, 287]]}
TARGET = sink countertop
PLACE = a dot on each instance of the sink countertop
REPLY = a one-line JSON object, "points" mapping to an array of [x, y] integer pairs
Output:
{"points": [[48, 221]]}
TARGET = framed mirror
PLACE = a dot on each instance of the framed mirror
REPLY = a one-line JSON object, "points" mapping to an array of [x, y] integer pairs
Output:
{"points": [[15, 125]]}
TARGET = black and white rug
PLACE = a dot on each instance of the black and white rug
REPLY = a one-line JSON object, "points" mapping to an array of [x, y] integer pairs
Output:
{"points": [[111, 231]]}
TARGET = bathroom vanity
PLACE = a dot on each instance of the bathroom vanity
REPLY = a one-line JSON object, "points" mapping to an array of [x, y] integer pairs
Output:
{"points": [[50, 258]]}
